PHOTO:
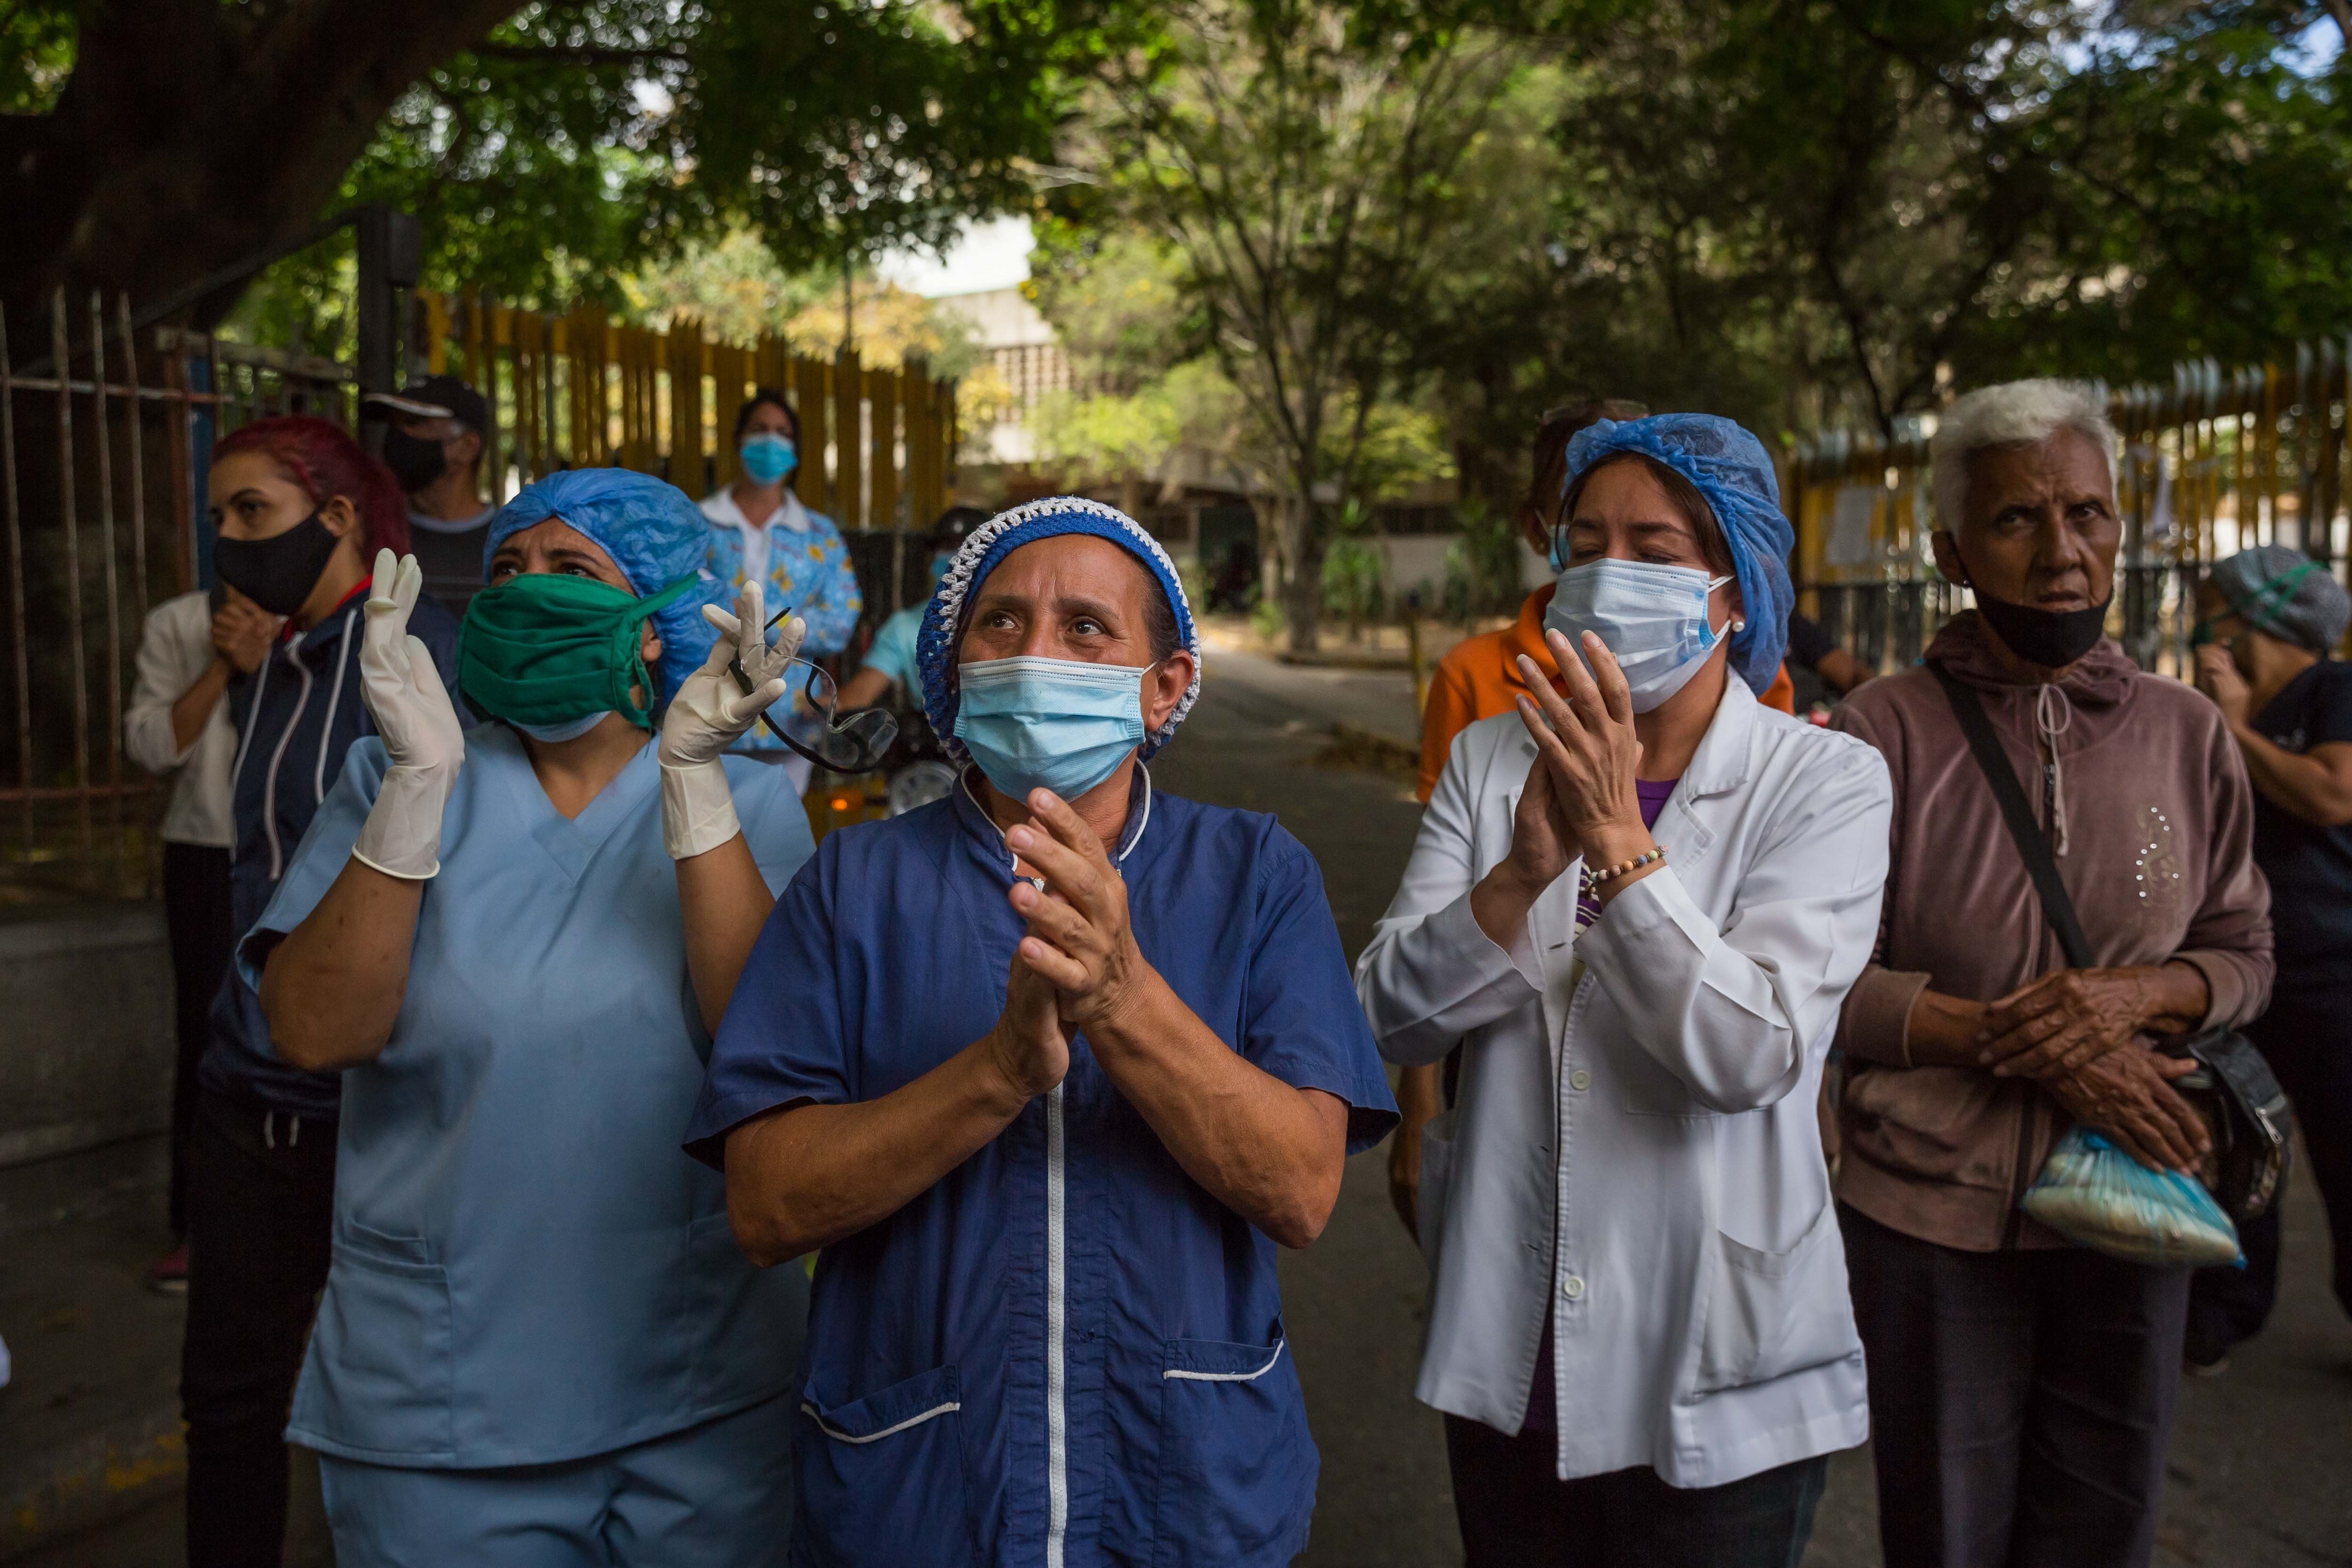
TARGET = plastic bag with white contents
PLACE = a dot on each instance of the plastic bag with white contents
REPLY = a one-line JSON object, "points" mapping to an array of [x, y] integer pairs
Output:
{"points": [[2094, 1194]]}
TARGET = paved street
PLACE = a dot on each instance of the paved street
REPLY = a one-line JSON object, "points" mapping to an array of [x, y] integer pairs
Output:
{"points": [[2257, 1479]]}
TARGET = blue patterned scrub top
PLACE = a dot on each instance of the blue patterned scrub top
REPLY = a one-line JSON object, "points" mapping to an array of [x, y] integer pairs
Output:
{"points": [[808, 569]]}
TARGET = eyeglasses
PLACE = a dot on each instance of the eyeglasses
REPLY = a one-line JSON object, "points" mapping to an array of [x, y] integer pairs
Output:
{"points": [[852, 744]]}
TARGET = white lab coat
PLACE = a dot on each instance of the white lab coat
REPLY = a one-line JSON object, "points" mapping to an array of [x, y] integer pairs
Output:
{"points": [[1683, 1228]]}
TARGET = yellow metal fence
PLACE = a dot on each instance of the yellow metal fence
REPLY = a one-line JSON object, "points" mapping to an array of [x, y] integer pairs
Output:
{"points": [[578, 389], [2220, 460]]}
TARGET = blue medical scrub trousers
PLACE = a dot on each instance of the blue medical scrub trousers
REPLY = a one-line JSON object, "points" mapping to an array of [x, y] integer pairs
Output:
{"points": [[719, 1493]]}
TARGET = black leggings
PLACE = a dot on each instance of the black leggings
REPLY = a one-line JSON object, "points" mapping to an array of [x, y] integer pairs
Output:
{"points": [[260, 1216], [2306, 1040], [197, 923]]}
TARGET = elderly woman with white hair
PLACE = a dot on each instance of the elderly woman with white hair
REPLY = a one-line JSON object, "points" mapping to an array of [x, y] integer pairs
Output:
{"points": [[2021, 1387], [1637, 902]]}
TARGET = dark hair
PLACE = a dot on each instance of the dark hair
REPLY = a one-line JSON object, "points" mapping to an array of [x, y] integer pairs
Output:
{"points": [[750, 405], [323, 461], [1553, 432], [1713, 548]]}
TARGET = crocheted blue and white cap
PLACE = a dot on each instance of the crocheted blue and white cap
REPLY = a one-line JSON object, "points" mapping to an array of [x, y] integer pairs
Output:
{"points": [[990, 544]]}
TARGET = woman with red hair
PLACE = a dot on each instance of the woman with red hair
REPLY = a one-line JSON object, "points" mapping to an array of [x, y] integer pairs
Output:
{"points": [[299, 511]]}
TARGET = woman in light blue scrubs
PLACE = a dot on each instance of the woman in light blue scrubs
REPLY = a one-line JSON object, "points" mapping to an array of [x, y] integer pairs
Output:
{"points": [[538, 1344]]}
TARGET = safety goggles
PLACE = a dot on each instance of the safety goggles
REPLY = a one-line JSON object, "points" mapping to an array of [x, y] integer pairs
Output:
{"points": [[854, 743]]}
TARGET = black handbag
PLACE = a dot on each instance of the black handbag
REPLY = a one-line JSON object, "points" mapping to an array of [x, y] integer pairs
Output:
{"points": [[2233, 1089]]}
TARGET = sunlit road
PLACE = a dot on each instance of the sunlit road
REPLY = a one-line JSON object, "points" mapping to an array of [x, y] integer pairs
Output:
{"points": [[2259, 1476]]}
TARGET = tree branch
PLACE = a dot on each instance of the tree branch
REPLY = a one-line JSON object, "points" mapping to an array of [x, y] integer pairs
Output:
{"points": [[576, 55]]}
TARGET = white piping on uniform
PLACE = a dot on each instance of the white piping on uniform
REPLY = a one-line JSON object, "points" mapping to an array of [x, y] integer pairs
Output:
{"points": [[1141, 823], [1057, 1455], [334, 697], [837, 1435], [270, 784], [252, 718], [1231, 1376]]}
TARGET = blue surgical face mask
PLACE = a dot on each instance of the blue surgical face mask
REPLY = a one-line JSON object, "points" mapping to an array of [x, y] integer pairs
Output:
{"points": [[940, 563], [768, 457], [1653, 617], [1059, 722], [569, 730]]}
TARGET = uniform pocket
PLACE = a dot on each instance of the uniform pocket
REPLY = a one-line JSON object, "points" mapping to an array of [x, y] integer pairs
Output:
{"points": [[383, 1347], [1436, 1177], [1237, 1469], [881, 1478], [1646, 1086], [1773, 1314]]}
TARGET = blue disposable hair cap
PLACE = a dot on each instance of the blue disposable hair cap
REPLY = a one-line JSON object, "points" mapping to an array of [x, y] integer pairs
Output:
{"points": [[655, 534]]}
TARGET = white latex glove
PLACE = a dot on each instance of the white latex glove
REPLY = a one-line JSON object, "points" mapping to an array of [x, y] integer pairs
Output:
{"points": [[403, 689], [711, 713]]}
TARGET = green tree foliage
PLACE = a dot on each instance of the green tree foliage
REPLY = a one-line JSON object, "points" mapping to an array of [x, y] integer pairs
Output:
{"points": [[548, 149], [1306, 175], [2206, 213]]}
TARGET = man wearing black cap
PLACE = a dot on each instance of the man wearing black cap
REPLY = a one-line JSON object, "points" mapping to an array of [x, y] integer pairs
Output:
{"points": [[433, 445]]}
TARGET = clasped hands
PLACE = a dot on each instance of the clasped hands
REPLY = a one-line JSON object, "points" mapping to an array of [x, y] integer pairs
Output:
{"points": [[1579, 798], [2076, 1033], [1079, 967]]}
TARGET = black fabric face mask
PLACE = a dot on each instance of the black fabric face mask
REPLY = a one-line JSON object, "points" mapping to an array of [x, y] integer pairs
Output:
{"points": [[276, 573], [415, 461], [2050, 638]]}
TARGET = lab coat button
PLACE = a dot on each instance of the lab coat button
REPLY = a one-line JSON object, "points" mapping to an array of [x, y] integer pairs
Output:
{"points": [[1580, 1080], [1572, 1288]]}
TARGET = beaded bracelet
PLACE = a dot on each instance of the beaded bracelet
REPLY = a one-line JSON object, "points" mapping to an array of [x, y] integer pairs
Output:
{"points": [[1608, 873]]}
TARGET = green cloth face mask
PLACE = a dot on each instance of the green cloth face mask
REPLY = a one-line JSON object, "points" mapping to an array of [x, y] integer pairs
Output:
{"points": [[545, 648]]}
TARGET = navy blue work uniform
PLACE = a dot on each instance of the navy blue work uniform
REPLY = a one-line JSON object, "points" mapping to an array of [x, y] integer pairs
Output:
{"points": [[295, 717], [1066, 1352]]}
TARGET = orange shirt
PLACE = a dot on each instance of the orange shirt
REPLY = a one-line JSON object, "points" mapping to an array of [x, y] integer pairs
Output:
{"points": [[1479, 677]]}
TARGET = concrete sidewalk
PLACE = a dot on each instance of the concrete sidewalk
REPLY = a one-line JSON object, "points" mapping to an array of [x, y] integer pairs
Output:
{"points": [[90, 1427]]}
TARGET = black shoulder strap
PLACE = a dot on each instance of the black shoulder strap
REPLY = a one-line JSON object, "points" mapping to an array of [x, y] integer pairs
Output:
{"points": [[2057, 907]]}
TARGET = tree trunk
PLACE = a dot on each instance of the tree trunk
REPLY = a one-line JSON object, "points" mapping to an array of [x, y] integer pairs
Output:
{"points": [[193, 135], [1302, 550]]}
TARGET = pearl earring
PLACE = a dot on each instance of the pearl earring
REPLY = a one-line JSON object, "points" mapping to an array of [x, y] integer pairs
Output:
{"points": [[1739, 625]]}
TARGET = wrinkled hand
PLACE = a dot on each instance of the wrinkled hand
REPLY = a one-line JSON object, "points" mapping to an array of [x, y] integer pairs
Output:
{"points": [[2217, 677], [1417, 1107], [398, 679], [1079, 941], [712, 709], [1587, 746], [2128, 1096], [242, 633], [1543, 844], [2069, 1016], [402, 691], [1031, 1047]]}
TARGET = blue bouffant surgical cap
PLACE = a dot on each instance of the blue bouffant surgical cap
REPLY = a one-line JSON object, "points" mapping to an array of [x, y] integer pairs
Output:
{"points": [[654, 534], [1731, 469], [989, 545]]}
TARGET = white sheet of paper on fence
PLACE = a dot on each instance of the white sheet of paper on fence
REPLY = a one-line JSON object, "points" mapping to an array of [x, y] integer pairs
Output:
{"points": [[2158, 525], [1849, 542]]}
